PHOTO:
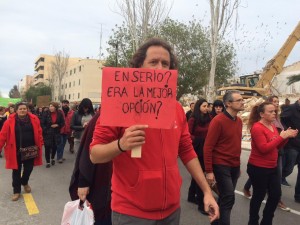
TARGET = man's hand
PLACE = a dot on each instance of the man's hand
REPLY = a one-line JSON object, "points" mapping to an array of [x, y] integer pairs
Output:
{"points": [[211, 207], [210, 177], [133, 136], [82, 193], [54, 125]]}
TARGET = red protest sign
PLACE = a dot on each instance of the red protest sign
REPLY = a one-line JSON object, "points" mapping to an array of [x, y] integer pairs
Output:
{"points": [[138, 96]]}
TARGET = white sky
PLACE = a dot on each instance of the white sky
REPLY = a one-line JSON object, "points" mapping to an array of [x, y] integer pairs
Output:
{"points": [[33, 27]]}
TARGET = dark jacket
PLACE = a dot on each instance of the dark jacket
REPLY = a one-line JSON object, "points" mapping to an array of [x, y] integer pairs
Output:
{"points": [[290, 117], [52, 135], [2, 120], [76, 125], [95, 176]]}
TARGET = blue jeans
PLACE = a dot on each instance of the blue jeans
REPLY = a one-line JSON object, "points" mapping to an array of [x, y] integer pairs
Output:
{"points": [[123, 219], [297, 187], [61, 146], [226, 178], [290, 158]]}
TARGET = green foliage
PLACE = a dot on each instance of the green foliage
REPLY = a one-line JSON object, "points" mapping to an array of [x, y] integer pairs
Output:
{"points": [[191, 43], [14, 92], [293, 79], [34, 91]]}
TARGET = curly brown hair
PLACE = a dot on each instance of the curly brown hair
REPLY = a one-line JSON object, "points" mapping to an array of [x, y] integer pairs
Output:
{"points": [[140, 55]]}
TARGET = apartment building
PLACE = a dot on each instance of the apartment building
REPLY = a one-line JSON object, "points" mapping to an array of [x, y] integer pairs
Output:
{"points": [[42, 68], [25, 83], [83, 79]]}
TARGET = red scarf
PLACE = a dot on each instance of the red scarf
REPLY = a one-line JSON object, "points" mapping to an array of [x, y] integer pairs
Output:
{"points": [[53, 117]]}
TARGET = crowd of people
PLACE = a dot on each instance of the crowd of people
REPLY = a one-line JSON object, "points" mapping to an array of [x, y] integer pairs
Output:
{"points": [[126, 190]]}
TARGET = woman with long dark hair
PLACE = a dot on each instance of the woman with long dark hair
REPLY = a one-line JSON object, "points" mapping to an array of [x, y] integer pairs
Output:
{"points": [[198, 127], [52, 122], [80, 120], [262, 165], [21, 130]]}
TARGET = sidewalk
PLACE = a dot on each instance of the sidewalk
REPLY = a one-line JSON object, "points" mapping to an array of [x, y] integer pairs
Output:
{"points": [[246, 145]]}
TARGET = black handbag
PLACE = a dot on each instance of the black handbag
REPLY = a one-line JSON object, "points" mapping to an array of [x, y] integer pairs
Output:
{"points": [[29, 152]]}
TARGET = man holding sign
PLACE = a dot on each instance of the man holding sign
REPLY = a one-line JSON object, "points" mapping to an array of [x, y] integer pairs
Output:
{"points": [[147, 189]]}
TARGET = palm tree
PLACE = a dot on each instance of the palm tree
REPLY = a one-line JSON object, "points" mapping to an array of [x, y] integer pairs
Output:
{"points": [[293, 79]]}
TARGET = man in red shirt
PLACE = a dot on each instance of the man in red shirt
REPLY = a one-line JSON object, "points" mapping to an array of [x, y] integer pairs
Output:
{"points": [[222, 151], [147, 190]]}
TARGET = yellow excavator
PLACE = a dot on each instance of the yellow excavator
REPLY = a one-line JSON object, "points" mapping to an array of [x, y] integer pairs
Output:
{"points": [[259, 85]]}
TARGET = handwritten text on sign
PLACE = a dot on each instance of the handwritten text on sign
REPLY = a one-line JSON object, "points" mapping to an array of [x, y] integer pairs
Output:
{"points": [[138, 96]]}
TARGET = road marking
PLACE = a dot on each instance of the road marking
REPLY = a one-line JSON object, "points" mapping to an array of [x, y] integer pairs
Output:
{"points": [[264, 201], [30, 204]]}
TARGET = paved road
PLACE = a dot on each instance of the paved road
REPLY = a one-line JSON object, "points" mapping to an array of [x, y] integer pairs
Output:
{"points": [[50, 193]]}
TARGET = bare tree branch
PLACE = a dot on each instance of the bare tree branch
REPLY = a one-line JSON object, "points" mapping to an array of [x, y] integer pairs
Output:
{"points": [[58, 71]]}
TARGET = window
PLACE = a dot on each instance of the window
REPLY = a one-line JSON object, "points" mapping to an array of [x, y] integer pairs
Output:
{"points": [[62, 86], [66, 85], [69, 96], [70, 72], [74, 70], [74, 83], [78, 95], [69, 84], [79, 68], [65, 97], [79, 82]]}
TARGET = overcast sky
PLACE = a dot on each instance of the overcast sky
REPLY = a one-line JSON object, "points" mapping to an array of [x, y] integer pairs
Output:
{"points": [[33, 27]]}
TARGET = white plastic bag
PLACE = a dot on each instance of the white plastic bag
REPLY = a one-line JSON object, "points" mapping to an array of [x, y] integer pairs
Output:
{"points": [[74, 215]]}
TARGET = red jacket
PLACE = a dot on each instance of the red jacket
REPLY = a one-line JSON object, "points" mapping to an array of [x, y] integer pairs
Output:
{"points": [[66, 129], [264, 146], [149, 187], [8, 137]]}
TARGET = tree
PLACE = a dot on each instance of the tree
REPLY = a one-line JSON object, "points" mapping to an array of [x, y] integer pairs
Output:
{"points": [[293, 79], [58, 71], [192, 46], [142, 15], [14, 92], [221, 12], [34, 91]]}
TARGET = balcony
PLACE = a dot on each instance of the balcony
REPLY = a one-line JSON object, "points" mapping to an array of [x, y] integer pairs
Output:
{"points": [[39, 65]]}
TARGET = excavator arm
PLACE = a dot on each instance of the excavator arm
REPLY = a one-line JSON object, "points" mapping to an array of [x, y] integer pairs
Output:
{"points": [[275, 65]]}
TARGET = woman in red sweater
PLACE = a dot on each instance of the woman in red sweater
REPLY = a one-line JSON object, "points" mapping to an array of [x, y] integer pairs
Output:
{"points": [[198, 127], [262, 164]]}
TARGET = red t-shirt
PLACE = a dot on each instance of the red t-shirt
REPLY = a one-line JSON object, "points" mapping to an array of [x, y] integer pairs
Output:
{"points": [[264, 146]]}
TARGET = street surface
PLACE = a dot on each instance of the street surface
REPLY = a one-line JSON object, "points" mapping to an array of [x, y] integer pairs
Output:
{"points": [[50, 193]]}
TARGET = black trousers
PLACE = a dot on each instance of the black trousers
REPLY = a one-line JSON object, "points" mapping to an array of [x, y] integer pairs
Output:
{"points": [[50, 151], [18, 178], [226, 178], [264, 180], [194, 189]]}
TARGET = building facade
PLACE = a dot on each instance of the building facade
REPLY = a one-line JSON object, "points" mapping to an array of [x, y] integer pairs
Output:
{"points": [[83, 79], [279, 83], [25, 83]]}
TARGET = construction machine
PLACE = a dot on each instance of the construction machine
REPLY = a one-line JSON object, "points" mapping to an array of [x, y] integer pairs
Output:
{"points": [[259, 85]]}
